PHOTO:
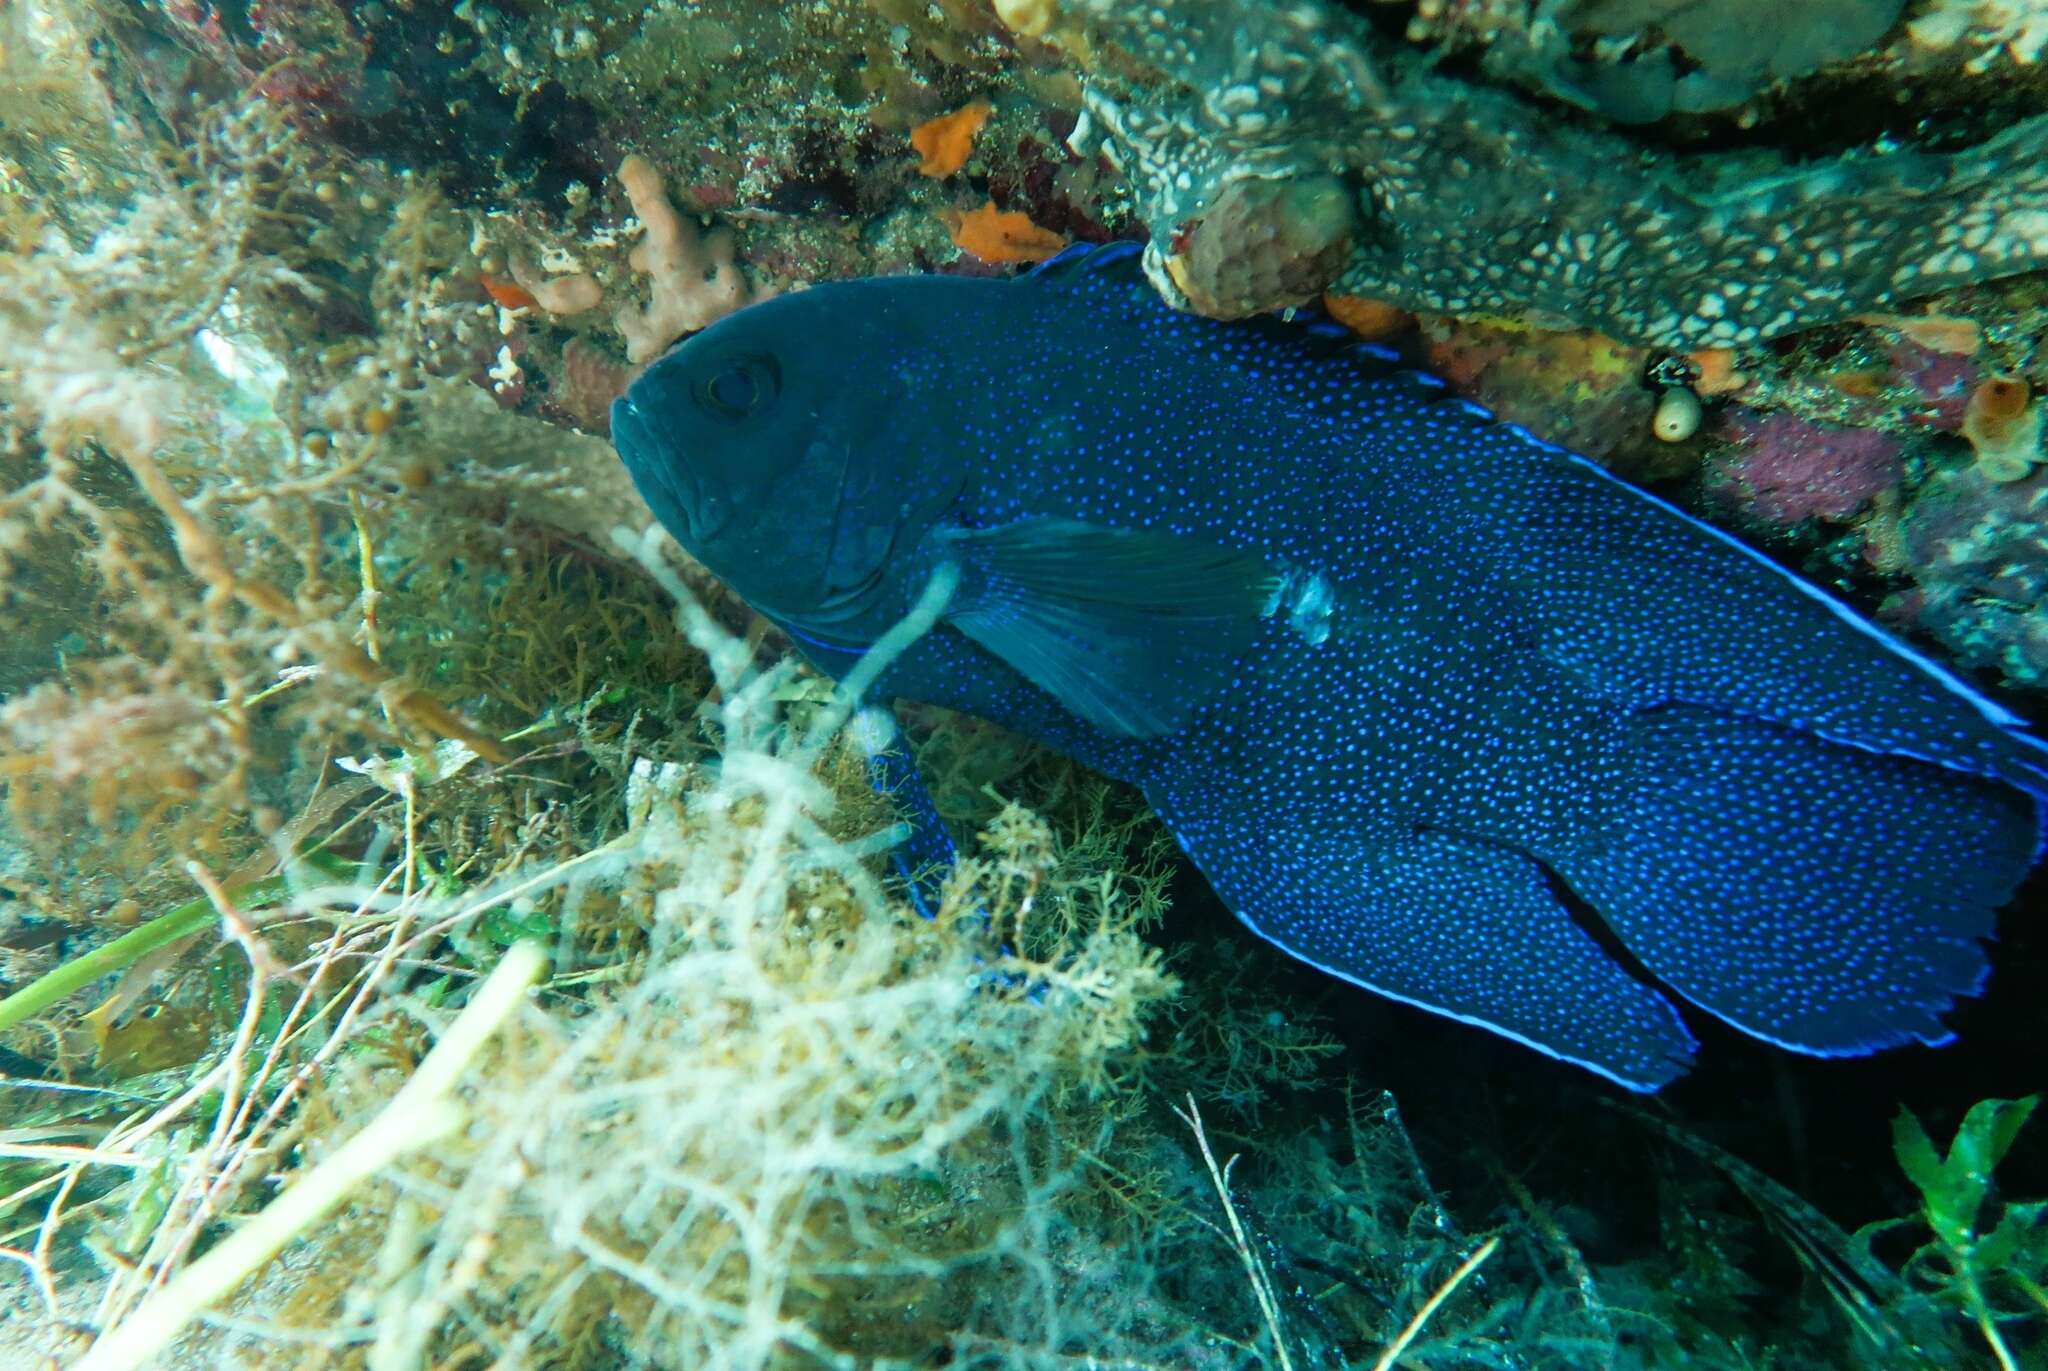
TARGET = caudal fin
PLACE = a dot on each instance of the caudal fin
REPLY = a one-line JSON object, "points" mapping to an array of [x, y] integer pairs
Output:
{"points": [[1825, 898]]}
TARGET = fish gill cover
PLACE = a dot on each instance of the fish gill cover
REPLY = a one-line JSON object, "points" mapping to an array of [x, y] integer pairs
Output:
{"points": [[346, 694]]}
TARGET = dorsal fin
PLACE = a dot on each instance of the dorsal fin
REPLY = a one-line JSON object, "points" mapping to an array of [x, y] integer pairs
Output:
{"points": [[1077, 258], [1320, 339], [1308, 329]]}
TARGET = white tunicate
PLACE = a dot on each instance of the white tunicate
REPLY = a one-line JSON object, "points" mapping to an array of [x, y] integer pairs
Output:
{"points": [[1678, 415]]}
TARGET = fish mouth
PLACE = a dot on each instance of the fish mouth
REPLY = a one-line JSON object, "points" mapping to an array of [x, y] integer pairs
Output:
{"points": [[628, 428], [682, 496]]}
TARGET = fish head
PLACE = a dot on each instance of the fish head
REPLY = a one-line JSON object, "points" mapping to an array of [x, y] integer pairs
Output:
{"points": [[781, 448]]}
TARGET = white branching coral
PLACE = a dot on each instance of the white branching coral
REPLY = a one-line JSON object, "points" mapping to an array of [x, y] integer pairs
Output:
{"points": [[695, 278]]}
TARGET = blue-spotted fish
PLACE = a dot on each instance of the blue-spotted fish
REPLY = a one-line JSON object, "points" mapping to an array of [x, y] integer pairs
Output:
{"points": [[1426, 699]]}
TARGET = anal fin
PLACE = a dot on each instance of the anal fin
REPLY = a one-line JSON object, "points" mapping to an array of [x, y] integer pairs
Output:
{"points": [[1459, 926]]}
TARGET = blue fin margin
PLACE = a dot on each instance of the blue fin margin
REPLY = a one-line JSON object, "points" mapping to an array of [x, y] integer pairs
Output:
{"points": [[1085, 257], [927, 854]]}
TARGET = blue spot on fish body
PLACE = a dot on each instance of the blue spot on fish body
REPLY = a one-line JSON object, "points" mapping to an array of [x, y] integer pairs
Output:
{"points": [[1416, 691]]}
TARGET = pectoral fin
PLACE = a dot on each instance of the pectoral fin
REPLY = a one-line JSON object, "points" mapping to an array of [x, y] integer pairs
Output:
{"points": [[1131, 629]]}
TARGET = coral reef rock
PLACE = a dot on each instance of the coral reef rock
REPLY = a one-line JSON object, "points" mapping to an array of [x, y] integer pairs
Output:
{"points": [[1470, 200], [1979, 549], [1784, 469]]}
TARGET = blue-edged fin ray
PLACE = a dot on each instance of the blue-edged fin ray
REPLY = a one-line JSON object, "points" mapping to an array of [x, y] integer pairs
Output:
{"points": [[926, 853], [1822, 897], [1131, 629]]}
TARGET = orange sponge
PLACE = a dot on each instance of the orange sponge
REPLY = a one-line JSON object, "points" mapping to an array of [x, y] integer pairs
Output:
{"points": [[996, 235], [946, 142]]}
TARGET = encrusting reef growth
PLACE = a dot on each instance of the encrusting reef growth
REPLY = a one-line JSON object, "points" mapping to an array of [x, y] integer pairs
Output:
{"points": [[338, 675]]}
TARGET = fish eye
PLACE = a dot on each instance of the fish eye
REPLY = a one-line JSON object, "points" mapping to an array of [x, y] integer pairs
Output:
{"points": [[739, 386]]}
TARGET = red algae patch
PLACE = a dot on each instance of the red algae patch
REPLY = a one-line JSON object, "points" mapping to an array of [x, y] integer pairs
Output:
{"points": [[1784, 469]]}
